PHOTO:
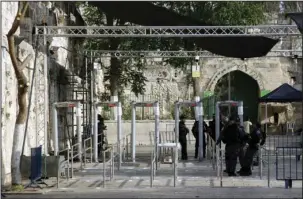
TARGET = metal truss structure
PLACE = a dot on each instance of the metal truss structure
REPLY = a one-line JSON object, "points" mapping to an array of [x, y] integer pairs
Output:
{"points": [[47, 32], [179, 54], [170, 31]]}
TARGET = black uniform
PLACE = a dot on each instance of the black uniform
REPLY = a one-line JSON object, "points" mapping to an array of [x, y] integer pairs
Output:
{"points": [[183, 131], [232, 139], [101, 134], [195, 131], [253, 146]]}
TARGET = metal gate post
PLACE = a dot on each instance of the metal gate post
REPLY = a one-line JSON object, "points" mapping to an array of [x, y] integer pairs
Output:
{"points": [[176, 141], [157, 118], [240, 112], [96, 133], [55, 130], [78, 115], [133, 131], [201, 141], [217, 121], [119, 134]]}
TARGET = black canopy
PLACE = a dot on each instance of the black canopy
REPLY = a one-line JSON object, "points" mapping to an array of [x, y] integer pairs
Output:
{"points": [[283, 94], [148, 14]]}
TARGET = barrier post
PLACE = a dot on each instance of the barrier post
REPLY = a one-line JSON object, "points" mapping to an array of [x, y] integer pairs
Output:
{"points": [[72, 162], [104, 162], [68, 158]]}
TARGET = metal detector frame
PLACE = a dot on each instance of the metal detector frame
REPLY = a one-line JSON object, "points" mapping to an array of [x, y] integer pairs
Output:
{"points": [[57, 105], [155, 105], [119, 128], [239, 104], [199, 106]]}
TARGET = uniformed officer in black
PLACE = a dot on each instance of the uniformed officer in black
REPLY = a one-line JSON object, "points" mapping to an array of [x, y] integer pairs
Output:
{"points": [[101, 134], [183, 131], [195, 131], [256, 136], [231, 137]]}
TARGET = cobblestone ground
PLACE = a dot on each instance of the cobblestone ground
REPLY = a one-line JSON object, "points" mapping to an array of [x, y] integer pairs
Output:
{"points": [[179, 192], [195, 180]]}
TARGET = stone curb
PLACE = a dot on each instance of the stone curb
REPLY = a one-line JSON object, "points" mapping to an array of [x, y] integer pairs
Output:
{"points": [[26, 192]]}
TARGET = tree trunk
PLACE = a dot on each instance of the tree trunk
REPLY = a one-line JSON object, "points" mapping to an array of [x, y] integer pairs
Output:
{"points": [[22, 94]]}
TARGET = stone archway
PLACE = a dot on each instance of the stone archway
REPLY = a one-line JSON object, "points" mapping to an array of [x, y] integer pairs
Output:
{"points": [[225, 70]]}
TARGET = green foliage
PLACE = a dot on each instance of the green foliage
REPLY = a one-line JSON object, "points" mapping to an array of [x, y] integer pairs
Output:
{"points": [[188, 112]]}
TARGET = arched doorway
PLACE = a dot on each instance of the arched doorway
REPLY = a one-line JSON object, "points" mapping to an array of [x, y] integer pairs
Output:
{"points": [[244, 88]]}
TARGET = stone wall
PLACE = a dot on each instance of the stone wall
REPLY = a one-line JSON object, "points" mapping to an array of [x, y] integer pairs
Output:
{"points": [[56, 64]]}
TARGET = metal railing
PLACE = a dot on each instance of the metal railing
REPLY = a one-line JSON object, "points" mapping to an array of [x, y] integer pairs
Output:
{"points": [[219, 163], [111, 162], [126, 147], [85, 148], [152, 167], [211, 151]]}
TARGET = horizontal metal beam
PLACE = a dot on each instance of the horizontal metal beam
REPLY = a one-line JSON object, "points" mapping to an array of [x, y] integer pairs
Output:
{"points": [[111, 104], [178, 54], [226, 103], [144, 104], [168, 31], [65, 104], [187, 103]]}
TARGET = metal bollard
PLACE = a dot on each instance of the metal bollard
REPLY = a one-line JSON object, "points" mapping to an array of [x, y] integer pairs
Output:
{"points": [[104, 162], [68, 151], [260, 163], [72, 163], [81, 159], [221, 168], [84, 151], [91, 150]]}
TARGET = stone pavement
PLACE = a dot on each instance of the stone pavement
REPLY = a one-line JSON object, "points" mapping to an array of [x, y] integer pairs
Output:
{"points": [[190, 174], [178, 192]]}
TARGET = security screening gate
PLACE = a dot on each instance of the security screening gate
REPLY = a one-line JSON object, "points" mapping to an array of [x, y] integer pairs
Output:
{"points": [[78, 122], [155, 105], [199, 106], [219, 152], [119, 128], [239, 104]]}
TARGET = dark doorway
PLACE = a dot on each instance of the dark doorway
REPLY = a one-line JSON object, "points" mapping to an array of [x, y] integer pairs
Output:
{"points": [[242, 88]]}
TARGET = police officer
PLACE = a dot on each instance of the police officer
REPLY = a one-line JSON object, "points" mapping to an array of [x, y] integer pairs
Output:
{"points": [[101, 135], [195, 131], [231, 137], [253, 146], [183, 131]]}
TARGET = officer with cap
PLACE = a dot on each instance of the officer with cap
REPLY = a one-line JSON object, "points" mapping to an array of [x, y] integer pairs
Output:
{"points": [[183, 131], [231, 137]]}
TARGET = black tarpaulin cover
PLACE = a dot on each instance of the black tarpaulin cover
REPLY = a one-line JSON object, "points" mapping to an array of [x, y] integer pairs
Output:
{"points": [[148, 14], [283, 94]]}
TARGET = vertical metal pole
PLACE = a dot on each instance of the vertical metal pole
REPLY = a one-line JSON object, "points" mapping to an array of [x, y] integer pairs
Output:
{"points": [[91, 148], [72, 161], [119, 134], [96, 133], [79, 135], [217, 121], [104, 169], [240, 112], [84, 153], [229, 94], [92, 80], [133, 130], [201, 141], [176, 141], [260, 163], [68, 158], [45, 75], [268, 158], [157, 115], [55, 130]]}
